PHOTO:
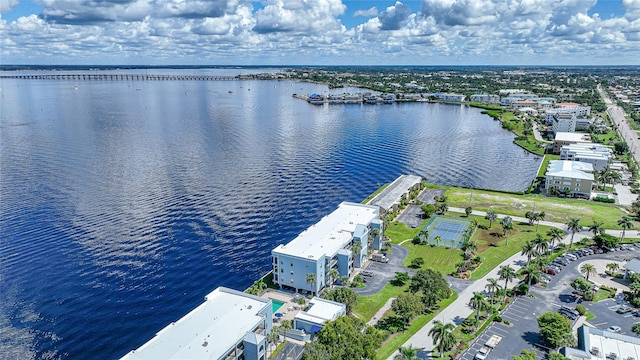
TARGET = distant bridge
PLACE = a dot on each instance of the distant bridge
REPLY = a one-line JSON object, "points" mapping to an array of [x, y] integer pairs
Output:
{"points": [[121, 77]]}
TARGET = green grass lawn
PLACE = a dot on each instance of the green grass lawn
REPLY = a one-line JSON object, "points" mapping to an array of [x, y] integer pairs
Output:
{"points": [[369, 305], [556, 209], [437, 258], [532, 145], [396, 342], [545, 163], [399, 232]]}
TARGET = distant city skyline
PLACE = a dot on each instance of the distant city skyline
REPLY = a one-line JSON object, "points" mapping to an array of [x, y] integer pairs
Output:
{"points": [[320, 32]]}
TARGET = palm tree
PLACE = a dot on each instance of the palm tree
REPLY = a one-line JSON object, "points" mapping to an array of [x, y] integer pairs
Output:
{"points": [[555, 234], [532, 273], [613, 267], [596, 228], [423, 235], [333, 275], [311, 280], [626, 223], [507, 226], [492, 286], [372, 235], [478, 302], [286, 326], [529, 250], [344, 280], [506, 273], [491, 216], [357, 249], [468, 210], [437, 239], [408, 353], [442, 337], [574, 226], [540, 217], [274, 336], [541, 244], [588, 269]]}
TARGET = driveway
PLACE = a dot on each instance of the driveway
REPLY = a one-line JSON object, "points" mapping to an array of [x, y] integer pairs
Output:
{"points": [[385, 272], [625, 197], [412, 214]]}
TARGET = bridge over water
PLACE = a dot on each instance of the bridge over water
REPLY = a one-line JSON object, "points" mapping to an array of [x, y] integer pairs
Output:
{"points": [[121, 77]]}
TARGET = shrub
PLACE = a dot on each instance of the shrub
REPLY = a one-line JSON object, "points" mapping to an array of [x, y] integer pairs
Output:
{"points": [[588, 296], [581, 309], [497, 318], [604, 199], [506, 322]]}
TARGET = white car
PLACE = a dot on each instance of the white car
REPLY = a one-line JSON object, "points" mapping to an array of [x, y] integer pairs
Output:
{"points": [[615, 329]]}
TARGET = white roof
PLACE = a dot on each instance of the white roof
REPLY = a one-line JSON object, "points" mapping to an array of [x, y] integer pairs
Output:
{"points": [[331, 233], [392, 193], [321, 311], [220, 322], [570, 169], [570, 136]]}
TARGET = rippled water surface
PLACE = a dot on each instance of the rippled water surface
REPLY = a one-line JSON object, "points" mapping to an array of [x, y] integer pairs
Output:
{"points": [[123, 203]]}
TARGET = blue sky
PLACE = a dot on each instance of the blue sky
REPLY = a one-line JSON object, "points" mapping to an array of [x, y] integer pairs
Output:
{"points": [[320, 32]]}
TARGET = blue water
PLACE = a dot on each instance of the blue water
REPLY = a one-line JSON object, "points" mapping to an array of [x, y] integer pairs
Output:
{"points": [[124, 203]]}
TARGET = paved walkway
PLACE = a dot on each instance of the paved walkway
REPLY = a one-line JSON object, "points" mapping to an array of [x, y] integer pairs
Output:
{"points": [[460, 309], [381, 312]]}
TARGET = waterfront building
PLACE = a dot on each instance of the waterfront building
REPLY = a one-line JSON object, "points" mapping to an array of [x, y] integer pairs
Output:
{"points": [[596, 344], [599, 156], [566, 138], [573, 178], [528, 111], [564, 122], [450, 97], [398, 191], [526, 103], [331, 243], [317, 314], [570, 108], [485, 98], [229, 325]]}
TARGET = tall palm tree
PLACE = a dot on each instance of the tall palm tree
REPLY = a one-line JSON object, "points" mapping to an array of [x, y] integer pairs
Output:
{"points": [[555, 234], [408, 353], [423, 235], [492, 286], [357, 249], [532, 274], [529, 250], [541, 244], [540, 217], [274, 336], [597, 228], [626, 223], [311, 280], [491, 216], [507, 226], [334, 275], [506, 273], [286, 326], [588, 269], [574, 226], [478, 302], [442, 336], [437, 239]]}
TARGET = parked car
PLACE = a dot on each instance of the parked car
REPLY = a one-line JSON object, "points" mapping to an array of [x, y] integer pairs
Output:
{"points": [[551, 271], [366, 273], [636, 245], [568, 314], [615, 329], [624, 309]]}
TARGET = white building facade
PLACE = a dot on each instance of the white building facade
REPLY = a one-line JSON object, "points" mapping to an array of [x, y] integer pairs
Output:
{"points": [[597, 155], [573, 178], [338, 241]]}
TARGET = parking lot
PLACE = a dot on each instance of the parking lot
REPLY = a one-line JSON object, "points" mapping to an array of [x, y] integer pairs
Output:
{"points": [[382, 273], [522, 313]]}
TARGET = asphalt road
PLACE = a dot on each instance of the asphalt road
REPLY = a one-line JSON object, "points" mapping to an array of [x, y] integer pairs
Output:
{"points": [[624, 129]]}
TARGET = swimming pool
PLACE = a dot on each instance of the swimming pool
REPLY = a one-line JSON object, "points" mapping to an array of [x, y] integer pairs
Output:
{"points": [[275, 305]]}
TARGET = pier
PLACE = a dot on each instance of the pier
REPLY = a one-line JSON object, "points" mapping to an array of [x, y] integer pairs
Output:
{"points": [[144, 77]]}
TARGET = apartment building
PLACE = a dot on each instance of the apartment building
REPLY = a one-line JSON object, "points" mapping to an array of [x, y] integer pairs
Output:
{"points": [[573, 178]]}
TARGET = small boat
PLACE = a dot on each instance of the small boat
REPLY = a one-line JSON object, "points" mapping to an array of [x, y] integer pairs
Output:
{"points": [[230, 92]]}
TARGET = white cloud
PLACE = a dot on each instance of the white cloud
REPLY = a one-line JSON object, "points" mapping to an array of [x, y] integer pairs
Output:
{"points": [[310, 31], [366, 13], [8, 5]]}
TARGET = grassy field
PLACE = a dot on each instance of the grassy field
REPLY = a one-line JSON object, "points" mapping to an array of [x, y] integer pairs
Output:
{"points": [[369, 305], [556, 209], [399, 232]]}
